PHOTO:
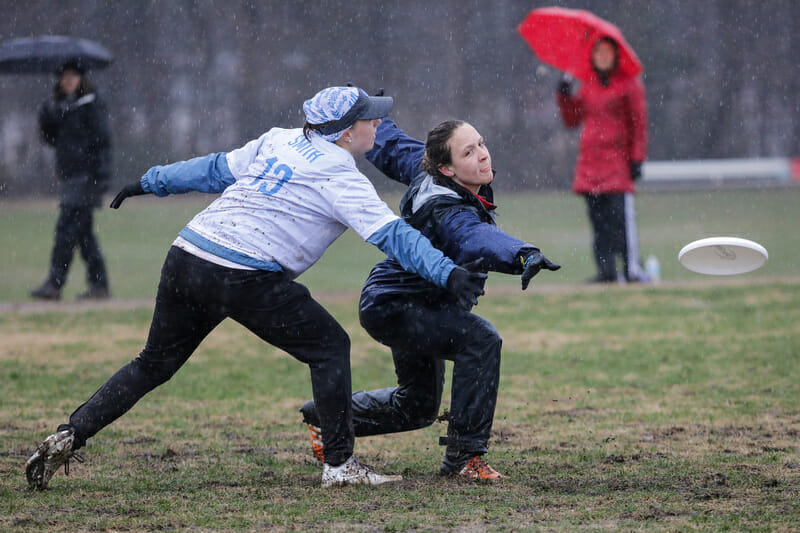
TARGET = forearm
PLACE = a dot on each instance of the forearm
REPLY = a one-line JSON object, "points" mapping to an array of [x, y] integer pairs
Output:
{"points": [[413, 251], [466, 238], [203, 174]]}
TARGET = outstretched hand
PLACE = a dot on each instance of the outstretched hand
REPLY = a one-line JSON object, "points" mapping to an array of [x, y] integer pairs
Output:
{"points": [[131, 189], [466, 283], [533, 264]]}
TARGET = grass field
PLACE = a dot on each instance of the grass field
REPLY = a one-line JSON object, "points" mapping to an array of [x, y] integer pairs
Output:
{"points": [[639, 408], [135, 238]]}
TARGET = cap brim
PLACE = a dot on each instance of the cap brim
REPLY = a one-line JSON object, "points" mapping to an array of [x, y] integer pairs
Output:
{"points": [[379, 107]]}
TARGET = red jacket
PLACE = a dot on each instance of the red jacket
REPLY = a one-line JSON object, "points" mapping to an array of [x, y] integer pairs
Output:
{"points": [[614, 132]]}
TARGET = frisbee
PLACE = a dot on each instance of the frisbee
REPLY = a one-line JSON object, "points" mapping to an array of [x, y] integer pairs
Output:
{"points": [[723, 256]]}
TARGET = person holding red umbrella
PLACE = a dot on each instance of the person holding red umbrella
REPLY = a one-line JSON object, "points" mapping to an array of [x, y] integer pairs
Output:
{"points": [[610, 105]]}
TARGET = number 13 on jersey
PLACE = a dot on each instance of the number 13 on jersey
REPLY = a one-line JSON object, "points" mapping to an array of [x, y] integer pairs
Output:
{"points": [[281, 171]]}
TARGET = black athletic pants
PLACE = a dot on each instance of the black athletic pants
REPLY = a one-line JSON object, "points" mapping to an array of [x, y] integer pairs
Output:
{"points": [[74, 230], [421, 337], [613, 221], [194, 296]]}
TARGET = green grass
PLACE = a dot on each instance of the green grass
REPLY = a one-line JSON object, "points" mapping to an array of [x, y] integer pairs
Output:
{"points": [[135, 238], [640, 408]]}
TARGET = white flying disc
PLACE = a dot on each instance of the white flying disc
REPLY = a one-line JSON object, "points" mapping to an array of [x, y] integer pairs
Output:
{"points": [[723, 256]]}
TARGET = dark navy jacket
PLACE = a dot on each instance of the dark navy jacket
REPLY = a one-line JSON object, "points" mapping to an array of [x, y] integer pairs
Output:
{"points": [[79, 131], [454, 219]]}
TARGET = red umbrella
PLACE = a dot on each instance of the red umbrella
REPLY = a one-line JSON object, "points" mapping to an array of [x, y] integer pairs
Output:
{"points": [[564, 38]]}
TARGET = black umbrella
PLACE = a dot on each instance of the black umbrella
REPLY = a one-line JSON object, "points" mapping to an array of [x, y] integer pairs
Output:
{"points": [[45, 54]]}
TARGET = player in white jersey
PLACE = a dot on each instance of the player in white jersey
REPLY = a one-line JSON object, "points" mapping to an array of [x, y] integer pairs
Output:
{"points": [[286, 197]]}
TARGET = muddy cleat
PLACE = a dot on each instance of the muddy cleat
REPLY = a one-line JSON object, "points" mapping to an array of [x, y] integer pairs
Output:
{"points": [[352, 472], [56, 450], [475, 468], [316, 442]]}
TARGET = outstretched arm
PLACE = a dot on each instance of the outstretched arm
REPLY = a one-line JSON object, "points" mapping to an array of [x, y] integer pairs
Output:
{"points": [[415, 253], [470, 239], [204, 174], [396, 154]]}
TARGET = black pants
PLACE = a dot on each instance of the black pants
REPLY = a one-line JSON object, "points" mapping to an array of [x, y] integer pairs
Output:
{"points": [[613, 221], [422, 337], [74, 230], [194, 296]]}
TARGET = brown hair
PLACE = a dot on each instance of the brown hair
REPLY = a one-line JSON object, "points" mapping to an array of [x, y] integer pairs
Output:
{"points": [[308, 127], [437, 151]]}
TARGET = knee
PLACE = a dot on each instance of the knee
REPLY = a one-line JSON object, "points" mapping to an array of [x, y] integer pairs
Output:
{"points": [[421, 410], [337, 340], [486, 338]]}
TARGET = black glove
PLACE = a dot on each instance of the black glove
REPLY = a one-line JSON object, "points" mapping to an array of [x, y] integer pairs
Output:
{"points": [[131, 189], [565, 85], [532, 264], [636, 170], [466, 283]]}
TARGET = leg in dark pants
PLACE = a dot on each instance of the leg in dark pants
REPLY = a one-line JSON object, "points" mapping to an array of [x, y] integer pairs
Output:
{"points": [[606, 213], [193, 297], [74, 230], [96, 276], [421, 338], [68, 231], [181, 321]]}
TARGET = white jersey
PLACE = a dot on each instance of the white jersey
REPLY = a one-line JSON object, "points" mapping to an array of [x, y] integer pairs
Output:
{"points": [[292, 197]]}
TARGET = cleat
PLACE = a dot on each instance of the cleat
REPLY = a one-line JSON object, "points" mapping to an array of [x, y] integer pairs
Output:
{"points": [[352, 472], [56, 450], [316, 443], [475, 468]]}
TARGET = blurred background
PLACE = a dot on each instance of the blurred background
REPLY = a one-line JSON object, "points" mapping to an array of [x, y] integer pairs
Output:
{"points": [[197, 76]]}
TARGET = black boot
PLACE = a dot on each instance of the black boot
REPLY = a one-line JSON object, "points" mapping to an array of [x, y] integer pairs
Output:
{"points": [[95, 293], [47, 291]]}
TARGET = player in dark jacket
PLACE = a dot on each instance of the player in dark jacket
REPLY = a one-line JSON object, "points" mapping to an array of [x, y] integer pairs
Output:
{"points": [[449, 200]]}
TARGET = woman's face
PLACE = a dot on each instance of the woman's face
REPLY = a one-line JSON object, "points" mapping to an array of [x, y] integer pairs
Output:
{"points": [[603, 56], [69, 81], [471, 164], [360, 138]]}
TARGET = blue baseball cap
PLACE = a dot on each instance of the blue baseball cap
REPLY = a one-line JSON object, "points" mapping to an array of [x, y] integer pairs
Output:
{"points": [[342, 107]]}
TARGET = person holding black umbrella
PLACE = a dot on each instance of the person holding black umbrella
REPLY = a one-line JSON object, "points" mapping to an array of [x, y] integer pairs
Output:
{"points": [[75, 122]]}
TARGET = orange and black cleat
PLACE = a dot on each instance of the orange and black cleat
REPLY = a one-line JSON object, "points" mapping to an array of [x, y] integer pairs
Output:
{"points": [[316, 443], [478, 469]]}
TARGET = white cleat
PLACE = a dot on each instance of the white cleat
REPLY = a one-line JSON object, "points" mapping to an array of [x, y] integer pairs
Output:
{"points": [[352, 472], [56, 450]]}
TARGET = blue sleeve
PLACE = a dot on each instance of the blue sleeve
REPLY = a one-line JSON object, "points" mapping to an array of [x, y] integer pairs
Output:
{"points": [[396, 154], [204, 174], [413, 251], [467, 238]]}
